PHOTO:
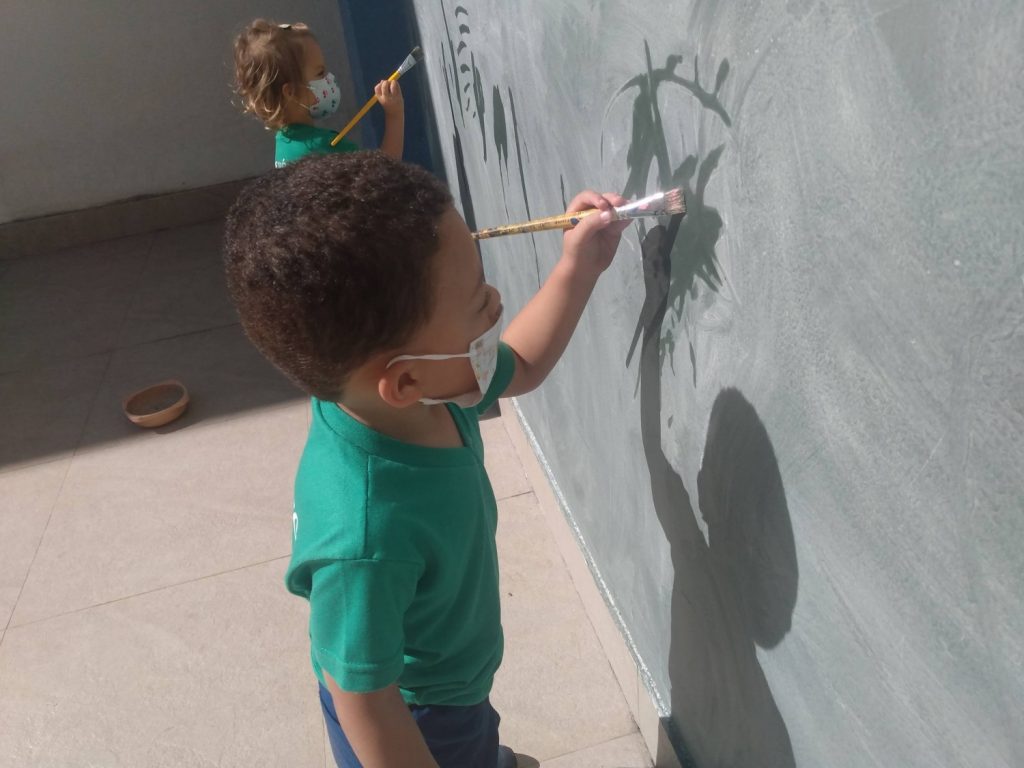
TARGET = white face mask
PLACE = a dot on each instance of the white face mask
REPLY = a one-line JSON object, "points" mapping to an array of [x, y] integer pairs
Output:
{"points": [[483, 356], [327, 95]]}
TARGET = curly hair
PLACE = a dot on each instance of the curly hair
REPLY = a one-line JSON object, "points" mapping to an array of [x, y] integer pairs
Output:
{"points": [[329, 261], [268, 56]]}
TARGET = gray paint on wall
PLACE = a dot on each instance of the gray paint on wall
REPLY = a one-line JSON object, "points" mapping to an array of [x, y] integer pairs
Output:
{"points": [[790, 426]]}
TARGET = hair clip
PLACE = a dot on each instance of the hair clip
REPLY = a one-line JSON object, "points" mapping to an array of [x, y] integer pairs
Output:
{"points": [[284, 26]]}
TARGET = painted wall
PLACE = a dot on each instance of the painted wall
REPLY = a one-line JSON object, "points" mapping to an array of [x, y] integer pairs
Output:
{"points": [[109, 100], [791, 425]]}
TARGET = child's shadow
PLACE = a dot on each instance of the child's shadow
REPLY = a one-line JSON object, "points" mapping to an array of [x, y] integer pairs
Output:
{"points": [[737, 590]]}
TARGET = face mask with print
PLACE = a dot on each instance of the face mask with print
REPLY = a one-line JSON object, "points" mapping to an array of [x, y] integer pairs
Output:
{"points": [[327, 95], [483, 356]]}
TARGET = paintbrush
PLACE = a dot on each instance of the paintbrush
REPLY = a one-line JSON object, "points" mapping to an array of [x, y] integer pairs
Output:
{"points": [[659, 204], [414, 58]]}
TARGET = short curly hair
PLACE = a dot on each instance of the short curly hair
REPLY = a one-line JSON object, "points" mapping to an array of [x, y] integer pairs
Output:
{"points": [[329, 261], [268, 56]]}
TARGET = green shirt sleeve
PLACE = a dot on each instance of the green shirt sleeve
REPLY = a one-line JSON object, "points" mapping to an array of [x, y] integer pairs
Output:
{"points": [[503, 373], [356, 623]]}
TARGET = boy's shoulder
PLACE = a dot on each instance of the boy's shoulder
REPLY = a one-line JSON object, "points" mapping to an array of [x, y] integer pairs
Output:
{"points": [[360, 494]]}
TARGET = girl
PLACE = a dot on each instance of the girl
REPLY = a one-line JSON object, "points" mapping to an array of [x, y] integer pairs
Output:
{"points": [[282, 79]]}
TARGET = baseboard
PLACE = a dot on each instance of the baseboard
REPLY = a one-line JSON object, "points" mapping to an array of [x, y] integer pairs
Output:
{"points": [[632, 677], [45, 234]]}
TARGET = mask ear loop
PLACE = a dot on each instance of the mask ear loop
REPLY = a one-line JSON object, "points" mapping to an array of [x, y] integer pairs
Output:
{"points": [[400, 358]]}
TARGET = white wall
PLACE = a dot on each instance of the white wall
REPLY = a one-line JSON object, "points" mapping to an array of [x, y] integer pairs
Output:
{"points": [[105, 100]]}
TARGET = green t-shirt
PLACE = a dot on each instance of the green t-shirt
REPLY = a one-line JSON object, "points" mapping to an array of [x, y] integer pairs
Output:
{"points": [[394, 547], [294, 142]]}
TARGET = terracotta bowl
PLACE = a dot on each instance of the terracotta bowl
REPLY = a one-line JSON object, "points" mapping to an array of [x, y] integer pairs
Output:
{"points": [[156, 405]]}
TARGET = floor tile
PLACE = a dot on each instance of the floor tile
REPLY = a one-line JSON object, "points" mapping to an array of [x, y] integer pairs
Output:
{"points": [[503, 467], [44, 410], [28, 496], [224, 374], [625, 752], [211, 673], [183, 287], [135, 516], [67, 305], [555, 686]]}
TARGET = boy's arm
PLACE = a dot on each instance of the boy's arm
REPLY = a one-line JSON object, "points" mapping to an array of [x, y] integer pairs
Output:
{"points": [[389, 94], [540, 333], [380, 728]]}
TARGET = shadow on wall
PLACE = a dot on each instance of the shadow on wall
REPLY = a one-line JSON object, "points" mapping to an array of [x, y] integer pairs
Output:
{"points": [[736, 590]]}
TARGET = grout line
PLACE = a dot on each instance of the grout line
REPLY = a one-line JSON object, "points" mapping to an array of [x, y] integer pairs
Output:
{"points": [[60, 490], [211, 421], [601, 744], [35, 554], [181, 335], [588, 556], [515, 495], [140, 279], [152, 591], [49, 458], [64, 360], [36, 367]]}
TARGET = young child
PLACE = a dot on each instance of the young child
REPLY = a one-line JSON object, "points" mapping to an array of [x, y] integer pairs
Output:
{"points": [[355, 275], [281, 78]]}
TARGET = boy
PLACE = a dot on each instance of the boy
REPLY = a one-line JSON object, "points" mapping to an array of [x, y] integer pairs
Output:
{"points": [[355, 275]]}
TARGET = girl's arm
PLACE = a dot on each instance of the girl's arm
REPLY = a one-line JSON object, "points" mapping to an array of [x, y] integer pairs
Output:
{"points": [[389, 94]]}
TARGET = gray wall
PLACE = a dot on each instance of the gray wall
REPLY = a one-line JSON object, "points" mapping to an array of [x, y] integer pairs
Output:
{"points": [[109, 99], [790, 425]]}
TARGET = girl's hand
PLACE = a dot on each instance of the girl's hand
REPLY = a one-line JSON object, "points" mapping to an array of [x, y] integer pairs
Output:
{"points": [[389, 94], [590, 246]]}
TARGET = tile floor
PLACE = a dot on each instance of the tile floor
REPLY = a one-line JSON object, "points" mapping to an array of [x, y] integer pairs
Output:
{"points": [[143, 621]]}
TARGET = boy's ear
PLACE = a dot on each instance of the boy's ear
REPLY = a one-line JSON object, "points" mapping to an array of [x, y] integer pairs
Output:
{"points": [[398, 385]]}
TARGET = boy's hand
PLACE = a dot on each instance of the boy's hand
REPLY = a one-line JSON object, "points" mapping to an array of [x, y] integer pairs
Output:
{"points": [[389, 94], [590, 246]]}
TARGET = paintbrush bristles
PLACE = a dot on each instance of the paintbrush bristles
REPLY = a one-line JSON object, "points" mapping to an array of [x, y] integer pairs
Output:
{"points": [[417, 53], [670, 203], [667, 203]]}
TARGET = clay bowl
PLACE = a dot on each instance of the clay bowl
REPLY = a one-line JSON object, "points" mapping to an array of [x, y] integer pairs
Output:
{"points": [[156, 405]]}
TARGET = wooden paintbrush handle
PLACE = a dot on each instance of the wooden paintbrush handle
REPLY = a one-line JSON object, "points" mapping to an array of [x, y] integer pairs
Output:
{"points": [[561, 221], [361, 112], [354, 120]]}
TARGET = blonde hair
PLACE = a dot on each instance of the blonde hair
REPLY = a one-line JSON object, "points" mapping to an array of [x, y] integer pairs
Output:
{"points": [[268, 56]]}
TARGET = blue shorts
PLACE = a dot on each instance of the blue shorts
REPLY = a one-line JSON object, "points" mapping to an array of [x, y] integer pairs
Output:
{"points": [[458, 737]]}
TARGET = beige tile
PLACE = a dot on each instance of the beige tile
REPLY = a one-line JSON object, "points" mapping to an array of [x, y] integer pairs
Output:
{"points": [[28, 497], [648, 720], [139, 515], [183, 288], [328, 755], [555, 688], [502, 461], [612, 641], [44, 410], [32, 237], [625, 752], [653, 732], [224, 373], [215, 672], [68, 305]]}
